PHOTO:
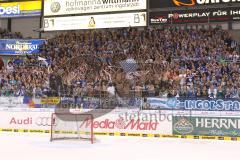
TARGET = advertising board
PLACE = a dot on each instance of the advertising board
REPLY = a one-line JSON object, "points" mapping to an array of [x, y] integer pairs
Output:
{"points": [[166, 124], [194, 104], [123, 122], [195, 16], [50, 100], [20, 46], [12, 102], [206, 126], [20, 9], [96, 21], [190, 3], [66, 7]]}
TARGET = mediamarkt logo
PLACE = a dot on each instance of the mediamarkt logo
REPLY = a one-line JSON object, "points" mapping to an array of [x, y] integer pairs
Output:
{"points": [[201, 2], [121, 124]]}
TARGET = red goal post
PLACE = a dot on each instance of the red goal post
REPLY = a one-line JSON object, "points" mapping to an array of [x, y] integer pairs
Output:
{"points": [[67, 126]]}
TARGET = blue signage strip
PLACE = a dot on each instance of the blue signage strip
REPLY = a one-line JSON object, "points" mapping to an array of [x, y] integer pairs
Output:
{"points": [[194, 104], [20, 47]]}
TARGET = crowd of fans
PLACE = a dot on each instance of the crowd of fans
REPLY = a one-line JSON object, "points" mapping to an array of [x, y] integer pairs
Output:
{"points": [[5, 34], [202, 63]]}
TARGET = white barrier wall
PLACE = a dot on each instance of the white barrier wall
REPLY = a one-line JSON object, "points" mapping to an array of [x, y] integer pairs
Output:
{"points": [[117, 122], [25, 120]]}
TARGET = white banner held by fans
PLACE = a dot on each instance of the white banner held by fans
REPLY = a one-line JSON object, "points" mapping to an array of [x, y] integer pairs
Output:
{"points": [[136, 19], [66, 7], [12, 102]]}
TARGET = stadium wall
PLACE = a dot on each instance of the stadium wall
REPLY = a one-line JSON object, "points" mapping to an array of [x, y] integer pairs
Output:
{"points": [[236, 34], [4, 23], [172, 124], [27, 26]]}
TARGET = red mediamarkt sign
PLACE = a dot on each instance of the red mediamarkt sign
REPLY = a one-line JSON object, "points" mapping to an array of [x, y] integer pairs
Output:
{"points": [[121, 124]]}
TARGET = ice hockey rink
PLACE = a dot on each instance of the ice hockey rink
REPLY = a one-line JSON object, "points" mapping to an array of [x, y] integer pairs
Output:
{"points": [[25, 146]]}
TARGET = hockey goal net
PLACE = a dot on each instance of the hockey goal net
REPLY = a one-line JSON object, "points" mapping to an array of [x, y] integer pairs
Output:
{"points": [[70, 126]]}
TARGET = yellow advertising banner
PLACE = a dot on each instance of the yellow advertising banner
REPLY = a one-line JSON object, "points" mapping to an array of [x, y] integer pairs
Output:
{"points": [[20, 9], [50, 100]]}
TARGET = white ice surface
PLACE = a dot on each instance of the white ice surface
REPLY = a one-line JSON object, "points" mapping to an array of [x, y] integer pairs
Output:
{"points": [[20, 146]]}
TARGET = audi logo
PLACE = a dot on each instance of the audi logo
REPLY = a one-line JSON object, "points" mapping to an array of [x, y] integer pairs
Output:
{"points": [[43, 121]]}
